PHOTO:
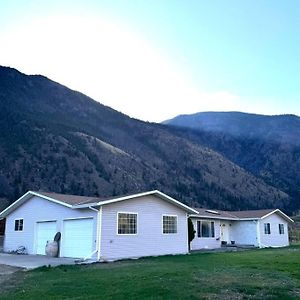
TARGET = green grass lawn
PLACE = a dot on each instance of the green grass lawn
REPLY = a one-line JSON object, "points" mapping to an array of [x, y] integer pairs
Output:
{"points": [[253, 274]]}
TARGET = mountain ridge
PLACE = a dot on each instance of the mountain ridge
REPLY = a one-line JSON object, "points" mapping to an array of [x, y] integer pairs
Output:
{"points": [[268, 146], [59, 140]]}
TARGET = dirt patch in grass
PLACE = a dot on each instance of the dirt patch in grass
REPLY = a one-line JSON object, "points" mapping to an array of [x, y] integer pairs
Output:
{"points": [[10, 277]]}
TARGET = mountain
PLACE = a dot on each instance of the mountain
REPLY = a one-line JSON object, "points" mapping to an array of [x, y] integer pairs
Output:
{"points": [[56, 139], [281, 128], [266, 146]]}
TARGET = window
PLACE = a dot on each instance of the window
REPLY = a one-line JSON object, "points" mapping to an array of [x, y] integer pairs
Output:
{"points": [[267, 228], [19, 225], [169, 224], [281, 228], [127, 223], [205, 229]]}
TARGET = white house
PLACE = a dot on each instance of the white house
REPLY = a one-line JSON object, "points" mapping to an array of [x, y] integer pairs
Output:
{"points": [[259, 228], [144, 224]]}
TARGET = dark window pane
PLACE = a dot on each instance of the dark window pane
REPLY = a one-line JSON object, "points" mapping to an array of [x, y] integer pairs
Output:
{"points": [[212, 229], [205, 229], [16, 225], [199, 228]]}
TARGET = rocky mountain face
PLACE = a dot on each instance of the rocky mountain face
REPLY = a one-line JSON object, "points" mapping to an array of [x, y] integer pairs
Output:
{"points": [[266, 146], [56, 139]]}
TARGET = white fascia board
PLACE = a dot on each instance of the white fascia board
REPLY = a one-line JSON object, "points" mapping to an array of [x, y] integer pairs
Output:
{"points": [[213, 217], [24, 198], [86, 205], [51, 199], [281, 213], [178, 203], [155, 192], [113, 200], [223, 218], [11, 207]]}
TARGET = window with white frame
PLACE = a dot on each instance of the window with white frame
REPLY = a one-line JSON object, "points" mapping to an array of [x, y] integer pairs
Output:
{"points": [[169, 224], [267, 227], [205, 229], [281, 228], [127, 223], [19, 224]]}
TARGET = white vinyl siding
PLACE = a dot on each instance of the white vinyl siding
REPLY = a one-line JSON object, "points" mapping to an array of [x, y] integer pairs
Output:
{"points": [[274, 239], [36, 210], [244, 232], [149, 239], [208, 242]]}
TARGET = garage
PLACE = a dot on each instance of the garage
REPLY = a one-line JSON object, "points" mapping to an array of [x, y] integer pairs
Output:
{"points": [[77, 238], [45, 231]]}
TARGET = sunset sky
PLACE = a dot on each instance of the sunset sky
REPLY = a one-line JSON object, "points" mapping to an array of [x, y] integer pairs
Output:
{"points": [[154, 59]]}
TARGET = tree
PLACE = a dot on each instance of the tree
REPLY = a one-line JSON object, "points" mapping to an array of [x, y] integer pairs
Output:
{"points": [[191, 232]]}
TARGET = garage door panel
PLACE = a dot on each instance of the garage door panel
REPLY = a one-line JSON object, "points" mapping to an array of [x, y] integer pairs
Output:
{"points": [[77, 238], [45, 232]]}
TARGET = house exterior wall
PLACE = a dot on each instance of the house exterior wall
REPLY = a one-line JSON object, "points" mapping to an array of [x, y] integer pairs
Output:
{"points": [[244, 232], [274, 239], [206, 243], [39, 209], [149, 240]]}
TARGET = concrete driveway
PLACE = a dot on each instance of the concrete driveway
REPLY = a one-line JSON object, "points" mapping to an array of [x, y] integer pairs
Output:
{"points": [[33, 261]]}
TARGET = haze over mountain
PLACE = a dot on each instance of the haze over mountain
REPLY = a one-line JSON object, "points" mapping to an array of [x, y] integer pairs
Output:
{"points": [[266, 146], [280, 128], [56, 139]]}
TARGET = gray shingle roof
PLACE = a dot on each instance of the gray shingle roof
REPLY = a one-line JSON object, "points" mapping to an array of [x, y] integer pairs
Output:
{"points": [[71, 199], [252, 213], [245, 214], [205, 212]]}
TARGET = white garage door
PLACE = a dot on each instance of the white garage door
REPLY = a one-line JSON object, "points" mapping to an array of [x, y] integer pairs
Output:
{"points": [[77, 239], [45, 232]]}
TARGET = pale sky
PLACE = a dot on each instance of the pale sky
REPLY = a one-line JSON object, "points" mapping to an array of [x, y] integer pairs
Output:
{"points": [[155, 59]]}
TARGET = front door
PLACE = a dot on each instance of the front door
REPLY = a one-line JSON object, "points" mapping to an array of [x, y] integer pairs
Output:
{"points": [[224, 232]]}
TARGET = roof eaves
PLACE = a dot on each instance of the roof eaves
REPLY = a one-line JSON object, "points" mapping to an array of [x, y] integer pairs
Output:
{"points": [[8, 209], [154, 192], [280, 212], [51, 199], [27, 196], [216, 217]]}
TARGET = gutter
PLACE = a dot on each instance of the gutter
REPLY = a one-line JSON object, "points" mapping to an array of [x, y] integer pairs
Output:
{"points": [[98, 235]]}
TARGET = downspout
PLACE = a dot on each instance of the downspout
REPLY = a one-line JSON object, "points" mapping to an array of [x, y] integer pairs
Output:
{"points": [[258, 233], [97, 234], [188, 244]]}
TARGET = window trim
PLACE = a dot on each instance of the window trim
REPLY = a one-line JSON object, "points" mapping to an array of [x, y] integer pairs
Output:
{"points": [[162, 223], [131, 213], [283, 228], [18, 219], [210, 224], [269, 227]]}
